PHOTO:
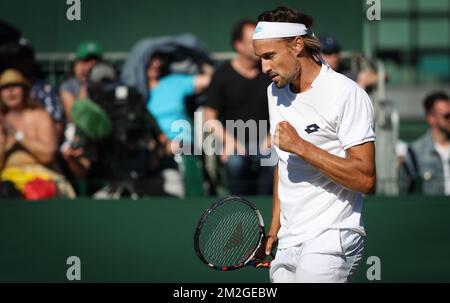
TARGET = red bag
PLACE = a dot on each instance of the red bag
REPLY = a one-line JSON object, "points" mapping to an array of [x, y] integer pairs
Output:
{"points": [[39, 189]]}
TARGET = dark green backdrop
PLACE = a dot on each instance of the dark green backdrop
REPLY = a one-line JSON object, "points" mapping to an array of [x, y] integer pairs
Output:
{"points": [[117, 24], [152, 240]]}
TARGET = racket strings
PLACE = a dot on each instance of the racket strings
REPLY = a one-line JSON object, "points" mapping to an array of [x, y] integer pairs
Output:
{"points": [[233, 250], [230, 234], [220, 233], [246, 248], [240, 249], [211, 251]]}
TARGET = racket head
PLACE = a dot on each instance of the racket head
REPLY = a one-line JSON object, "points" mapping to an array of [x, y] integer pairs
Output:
{"points": [[229, 234]]}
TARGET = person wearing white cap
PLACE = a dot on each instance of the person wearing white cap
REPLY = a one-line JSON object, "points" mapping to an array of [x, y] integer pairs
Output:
{"points": [[322, 125]]}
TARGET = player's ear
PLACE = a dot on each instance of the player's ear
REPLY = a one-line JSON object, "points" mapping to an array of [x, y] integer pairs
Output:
{"points": [[298, 45]]}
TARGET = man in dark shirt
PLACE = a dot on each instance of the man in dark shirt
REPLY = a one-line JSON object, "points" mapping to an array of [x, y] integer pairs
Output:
{"points": [[238, 93]]}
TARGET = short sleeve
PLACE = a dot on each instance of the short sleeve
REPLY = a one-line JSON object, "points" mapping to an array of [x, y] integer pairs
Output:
{"points": [[184, 83], [71, 86], [65, 86], [355, 121], [48, 97]]}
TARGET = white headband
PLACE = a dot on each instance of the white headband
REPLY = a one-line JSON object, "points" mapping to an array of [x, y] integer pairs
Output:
{"points": [[270, 30]]}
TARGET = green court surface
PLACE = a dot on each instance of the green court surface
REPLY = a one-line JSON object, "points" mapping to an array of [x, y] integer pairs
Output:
{"points": [[152, 240]]}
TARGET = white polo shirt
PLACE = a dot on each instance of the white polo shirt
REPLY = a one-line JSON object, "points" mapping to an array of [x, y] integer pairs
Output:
{"points": [[334, 114]]}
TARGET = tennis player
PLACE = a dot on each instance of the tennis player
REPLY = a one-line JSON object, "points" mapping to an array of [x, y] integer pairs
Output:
{"points": [[322, 125]]}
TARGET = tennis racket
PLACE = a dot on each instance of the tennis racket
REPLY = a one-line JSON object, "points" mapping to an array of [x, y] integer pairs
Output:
{"points": [[230, 235]]}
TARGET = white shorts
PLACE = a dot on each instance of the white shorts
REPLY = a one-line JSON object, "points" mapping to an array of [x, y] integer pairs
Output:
{"points": [[332, 257]]}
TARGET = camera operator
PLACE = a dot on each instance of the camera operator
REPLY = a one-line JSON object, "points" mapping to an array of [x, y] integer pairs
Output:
{"points": [[127, 155]]}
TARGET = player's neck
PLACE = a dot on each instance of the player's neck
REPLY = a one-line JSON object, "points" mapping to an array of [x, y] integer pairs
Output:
{"points": [[310, 69]]}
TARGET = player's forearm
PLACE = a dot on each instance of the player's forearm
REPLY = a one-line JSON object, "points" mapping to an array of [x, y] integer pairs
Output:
{"points": [[275, 223], [355, 174]]}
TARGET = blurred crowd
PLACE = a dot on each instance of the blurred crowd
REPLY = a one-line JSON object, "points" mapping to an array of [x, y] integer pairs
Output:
{"points": [[109, 134]]}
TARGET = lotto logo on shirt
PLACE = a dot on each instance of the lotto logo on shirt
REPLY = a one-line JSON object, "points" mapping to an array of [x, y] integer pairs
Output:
{"points": [[312, 128]]}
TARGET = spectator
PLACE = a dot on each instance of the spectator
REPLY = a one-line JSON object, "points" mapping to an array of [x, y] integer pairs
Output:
{"points": [[167, 103], [168, 93], [17, 53], [46, 94], [27, 135], [429, 156], [74, 88], [331, 54], [115, 158], [238, 91]]}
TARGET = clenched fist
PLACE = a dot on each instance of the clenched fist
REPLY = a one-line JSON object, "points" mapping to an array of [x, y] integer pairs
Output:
{"points": [[287, 139]]}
